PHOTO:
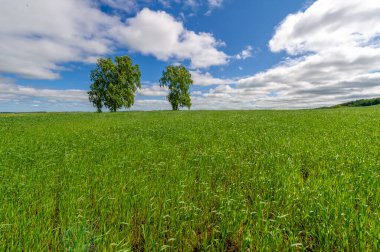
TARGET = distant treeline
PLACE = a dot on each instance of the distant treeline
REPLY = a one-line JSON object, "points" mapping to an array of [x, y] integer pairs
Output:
{"points": [[359, 103]]}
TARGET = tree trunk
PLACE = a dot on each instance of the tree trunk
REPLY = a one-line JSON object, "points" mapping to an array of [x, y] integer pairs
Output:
{"points": [[174, 105]]}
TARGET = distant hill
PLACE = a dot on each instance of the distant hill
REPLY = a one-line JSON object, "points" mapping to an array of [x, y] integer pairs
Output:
{"points": [[359, 103]]}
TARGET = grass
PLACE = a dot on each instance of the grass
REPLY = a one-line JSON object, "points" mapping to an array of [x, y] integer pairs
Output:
{"points": [[191, 181]]}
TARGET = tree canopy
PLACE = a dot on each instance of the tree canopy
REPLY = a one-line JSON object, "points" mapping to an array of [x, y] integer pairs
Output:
{"points": [[360, 103], [114, 84], [178, 80]]}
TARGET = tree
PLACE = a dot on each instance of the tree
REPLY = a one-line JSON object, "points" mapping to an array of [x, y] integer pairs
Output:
{"points": [[178, 80], [114, 83]]}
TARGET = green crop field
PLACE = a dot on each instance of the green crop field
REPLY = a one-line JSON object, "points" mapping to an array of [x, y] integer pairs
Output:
{"points": [[191, 181]]}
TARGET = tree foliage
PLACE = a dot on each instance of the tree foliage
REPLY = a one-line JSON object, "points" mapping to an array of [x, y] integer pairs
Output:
{"points": [[178, 80], [360, 103], [114, 84]]}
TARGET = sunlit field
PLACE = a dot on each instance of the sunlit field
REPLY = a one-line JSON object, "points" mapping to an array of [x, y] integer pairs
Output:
{"points": [[191, 181]]}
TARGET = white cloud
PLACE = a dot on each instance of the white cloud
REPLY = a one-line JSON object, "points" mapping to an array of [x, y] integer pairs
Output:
{"points": [[337, 58], [245, 54], [192, 3], [10, 91], [229, 97], [328, 24], [159, 34], [215, 3], [153, 90], [135, 5], [335, 50], [206, 79], [154, 104], [165, 3], [19, 98], [38, 37]]}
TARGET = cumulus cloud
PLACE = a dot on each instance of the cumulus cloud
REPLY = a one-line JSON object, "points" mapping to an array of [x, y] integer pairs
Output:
{"points": [[231, 97], [159, 34], [335, 57], [153, 90], [152, 104], [10, 91], [328, 24], [18, 98], [206, 79], [334, 50], [38, 37]]}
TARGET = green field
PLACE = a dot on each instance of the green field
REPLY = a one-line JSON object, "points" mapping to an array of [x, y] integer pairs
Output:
{"points": [[191, 181]]}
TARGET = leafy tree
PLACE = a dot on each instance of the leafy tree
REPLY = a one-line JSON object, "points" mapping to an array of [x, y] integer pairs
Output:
{"points": [[114, 83], [178, 80]]}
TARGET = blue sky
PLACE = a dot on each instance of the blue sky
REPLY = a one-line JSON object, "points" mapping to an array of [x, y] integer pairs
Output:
{"points": [[246, 54]]}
